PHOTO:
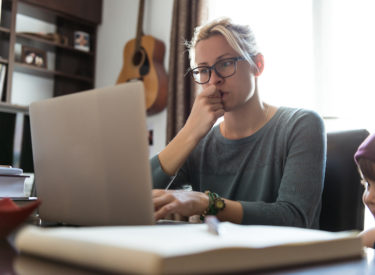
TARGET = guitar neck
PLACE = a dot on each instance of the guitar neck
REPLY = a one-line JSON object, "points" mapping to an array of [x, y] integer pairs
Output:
{"points": [[139, 25]]}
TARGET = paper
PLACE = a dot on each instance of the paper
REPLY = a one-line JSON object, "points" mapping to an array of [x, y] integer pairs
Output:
{"points": [[10, 171], [187, 248], [12, 185], [185, 239]]}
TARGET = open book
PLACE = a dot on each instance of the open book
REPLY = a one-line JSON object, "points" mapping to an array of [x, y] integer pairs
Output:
{"points": [[188, 248]]}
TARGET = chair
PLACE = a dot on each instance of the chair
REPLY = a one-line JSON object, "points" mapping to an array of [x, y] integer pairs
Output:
{"points": [[342, 206]]}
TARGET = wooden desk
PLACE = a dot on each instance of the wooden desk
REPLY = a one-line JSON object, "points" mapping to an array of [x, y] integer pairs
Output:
{"points": [[12, 263]]}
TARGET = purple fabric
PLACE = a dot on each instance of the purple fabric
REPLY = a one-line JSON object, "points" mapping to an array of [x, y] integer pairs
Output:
{"points": [[366, 149]]}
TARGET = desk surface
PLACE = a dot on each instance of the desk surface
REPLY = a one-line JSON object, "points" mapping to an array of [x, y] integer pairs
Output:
{"points": [[11, 262]]}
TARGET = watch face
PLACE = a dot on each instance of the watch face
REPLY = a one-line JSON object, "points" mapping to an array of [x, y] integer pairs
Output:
{"points": [[219, 204]]}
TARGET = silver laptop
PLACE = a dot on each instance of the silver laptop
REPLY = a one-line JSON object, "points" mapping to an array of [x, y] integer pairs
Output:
{"points": [[91, 157]]}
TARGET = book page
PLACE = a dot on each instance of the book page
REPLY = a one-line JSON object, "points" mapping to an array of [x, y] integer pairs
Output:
{"points": [[175, 240]]}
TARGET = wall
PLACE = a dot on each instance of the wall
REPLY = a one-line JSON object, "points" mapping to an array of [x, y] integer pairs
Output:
{"points": [[28, 88], [119, 26]]}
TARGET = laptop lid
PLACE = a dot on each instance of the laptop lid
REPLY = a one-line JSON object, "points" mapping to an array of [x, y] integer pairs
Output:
{"points": [[91, 157]]}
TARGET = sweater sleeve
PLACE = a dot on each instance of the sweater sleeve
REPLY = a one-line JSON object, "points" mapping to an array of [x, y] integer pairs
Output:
{"points": [[160, 179], [298, 200]]}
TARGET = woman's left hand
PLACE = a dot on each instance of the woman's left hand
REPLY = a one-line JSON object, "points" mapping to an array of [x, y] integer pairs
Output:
{"points": [[185, 203]]}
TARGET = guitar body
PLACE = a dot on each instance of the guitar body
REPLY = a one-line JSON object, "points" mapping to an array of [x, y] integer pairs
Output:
{"points": [[146, 64]]}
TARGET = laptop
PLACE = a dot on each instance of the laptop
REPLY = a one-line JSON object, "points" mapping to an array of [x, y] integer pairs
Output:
{"points": [[91, 157]]}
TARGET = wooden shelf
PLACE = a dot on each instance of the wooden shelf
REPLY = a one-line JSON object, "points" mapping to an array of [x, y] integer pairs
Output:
{"points": [[30, 69], [5, 30], [29, 37], [86, 11], [4, 61], [73, 70], [69, 70]]}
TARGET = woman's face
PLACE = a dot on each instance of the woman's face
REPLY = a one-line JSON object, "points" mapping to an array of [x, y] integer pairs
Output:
{"points": [[235, 90]]}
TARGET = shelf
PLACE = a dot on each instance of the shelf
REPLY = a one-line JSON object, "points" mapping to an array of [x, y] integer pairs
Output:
{"points": [[30, 69], [3, 29], [3, 61], [87, 12], [69, 69], [29, 37]]}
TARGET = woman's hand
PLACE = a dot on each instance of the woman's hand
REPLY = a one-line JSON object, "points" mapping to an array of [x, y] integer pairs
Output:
{"points": [[207, 108], [185, 203]]}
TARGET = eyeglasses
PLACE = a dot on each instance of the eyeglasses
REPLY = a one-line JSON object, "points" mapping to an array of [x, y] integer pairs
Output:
{"points": [[223, 68]]}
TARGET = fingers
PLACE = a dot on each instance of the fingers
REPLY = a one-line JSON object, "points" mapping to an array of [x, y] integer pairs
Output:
{"points": [[215, 107], [185, 203], [211, 102], [210, 91], [164, 203], [207, 108], [164, 211], [157, 192], [162, 199], [219, 113], [214, 100]]}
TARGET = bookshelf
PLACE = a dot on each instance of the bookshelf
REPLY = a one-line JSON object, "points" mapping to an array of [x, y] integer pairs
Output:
{"points": [[72, 70], [69, 69]]}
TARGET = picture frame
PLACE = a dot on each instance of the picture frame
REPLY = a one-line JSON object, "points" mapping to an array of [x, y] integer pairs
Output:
{"points": [[82, 41], [34, 57], [150, 137]]}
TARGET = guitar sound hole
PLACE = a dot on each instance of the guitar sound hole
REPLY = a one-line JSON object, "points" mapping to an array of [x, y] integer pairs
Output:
{"points": [[140, 59], [137, 58], [145, 68]]}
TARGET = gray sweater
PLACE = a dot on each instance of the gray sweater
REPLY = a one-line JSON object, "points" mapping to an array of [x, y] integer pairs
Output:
{"points": [[277, 173]]}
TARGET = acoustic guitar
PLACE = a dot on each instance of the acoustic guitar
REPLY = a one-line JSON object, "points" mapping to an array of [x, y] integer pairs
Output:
{"points": [[143, 60]]}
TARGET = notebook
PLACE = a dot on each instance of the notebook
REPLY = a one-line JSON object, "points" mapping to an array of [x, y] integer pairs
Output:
{"points": [[91, 157]]}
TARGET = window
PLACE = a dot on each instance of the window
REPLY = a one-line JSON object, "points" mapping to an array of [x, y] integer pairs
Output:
{"points": [[318, 55]]}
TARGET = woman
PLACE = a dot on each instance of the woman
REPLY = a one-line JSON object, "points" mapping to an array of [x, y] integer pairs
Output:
{"points": [[261, 164]]}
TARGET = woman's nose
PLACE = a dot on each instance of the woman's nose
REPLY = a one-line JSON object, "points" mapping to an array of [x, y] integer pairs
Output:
{"points": [[215, 78]]}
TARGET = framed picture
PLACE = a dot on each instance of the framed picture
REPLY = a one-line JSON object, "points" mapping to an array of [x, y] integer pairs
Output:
{"points": [[82, 41], [150, 137], [35, 57]]}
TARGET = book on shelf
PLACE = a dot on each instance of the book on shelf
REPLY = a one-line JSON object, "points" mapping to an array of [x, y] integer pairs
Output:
{"points": [[12, 182], [186, 248]]}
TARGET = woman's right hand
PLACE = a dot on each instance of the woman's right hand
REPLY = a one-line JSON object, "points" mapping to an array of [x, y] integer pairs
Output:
{"points": [[207, 108]]}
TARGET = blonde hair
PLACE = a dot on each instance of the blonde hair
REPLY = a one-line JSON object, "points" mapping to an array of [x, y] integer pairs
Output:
{"points": [[240, 37]]}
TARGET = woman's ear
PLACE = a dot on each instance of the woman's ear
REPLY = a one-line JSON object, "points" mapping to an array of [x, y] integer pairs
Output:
{"points": [[259, 62]]}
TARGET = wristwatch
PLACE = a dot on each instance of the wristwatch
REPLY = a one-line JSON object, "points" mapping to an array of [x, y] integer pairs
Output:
{"points": [[219, 204], [215, 204]]}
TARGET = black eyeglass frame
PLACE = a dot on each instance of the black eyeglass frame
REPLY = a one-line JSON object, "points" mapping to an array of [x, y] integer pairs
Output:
{"points": [[213, 67]]}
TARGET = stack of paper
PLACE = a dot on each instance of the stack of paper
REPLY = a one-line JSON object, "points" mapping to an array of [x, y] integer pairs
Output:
{"points": [[12, 181]]}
